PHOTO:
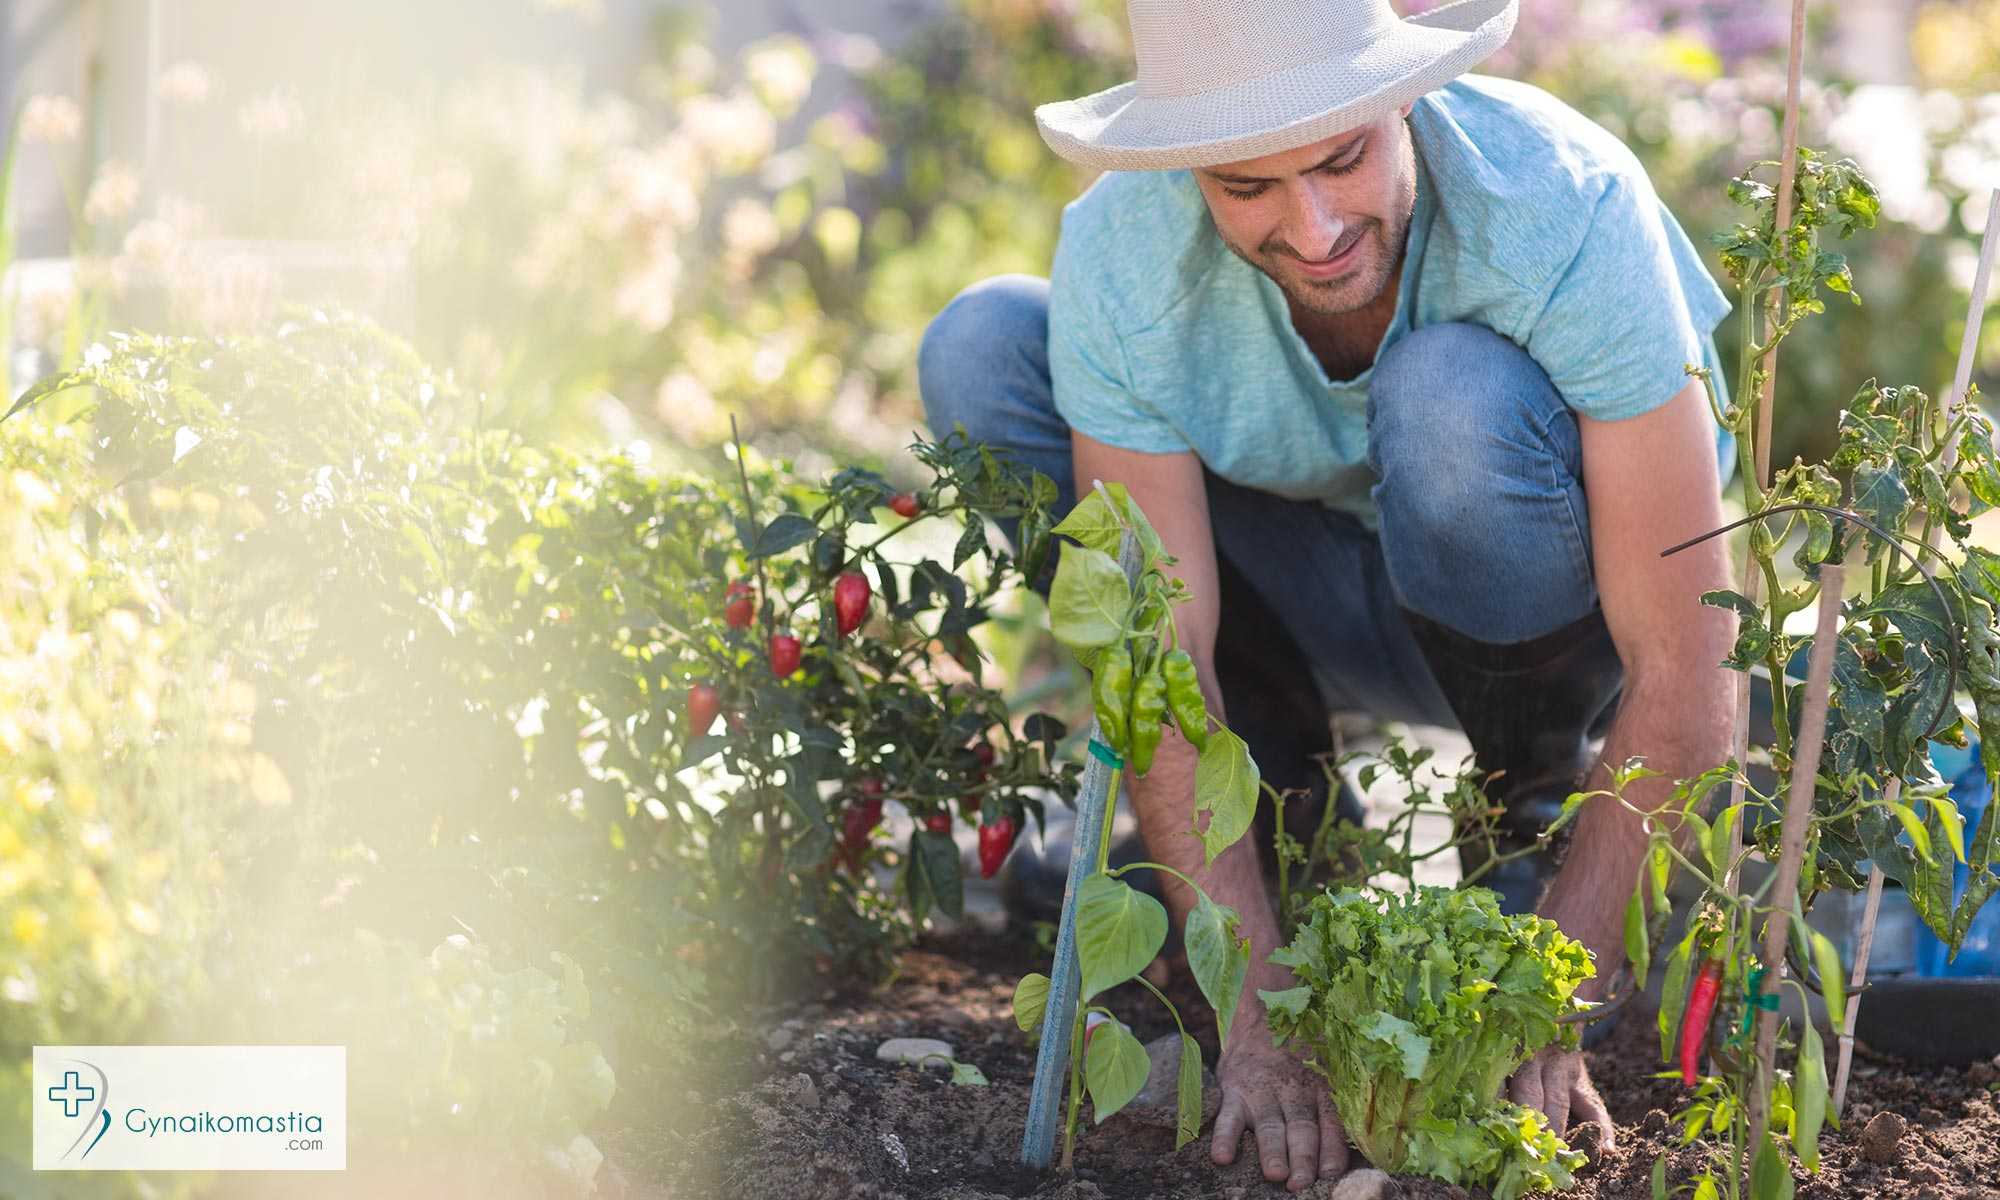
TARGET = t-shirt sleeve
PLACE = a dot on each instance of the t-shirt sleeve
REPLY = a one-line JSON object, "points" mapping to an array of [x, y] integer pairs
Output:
{"points": [[1629, 312], [1088, 371]]}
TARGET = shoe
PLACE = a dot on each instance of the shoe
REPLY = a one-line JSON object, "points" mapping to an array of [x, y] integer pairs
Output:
{"points": [[1530, 710]]}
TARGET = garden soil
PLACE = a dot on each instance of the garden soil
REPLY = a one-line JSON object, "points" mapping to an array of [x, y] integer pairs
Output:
{"points": [[806, 1110]]}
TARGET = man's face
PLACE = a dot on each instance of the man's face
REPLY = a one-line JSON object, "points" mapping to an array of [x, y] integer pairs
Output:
{"points": [[1325, 221]]}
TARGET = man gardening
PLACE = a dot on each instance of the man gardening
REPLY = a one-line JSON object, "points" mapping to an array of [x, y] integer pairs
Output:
{"points": [[1393, 358]]}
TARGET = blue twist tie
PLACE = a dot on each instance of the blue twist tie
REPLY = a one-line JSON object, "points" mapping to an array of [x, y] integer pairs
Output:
{"points": [[1106, 755]]}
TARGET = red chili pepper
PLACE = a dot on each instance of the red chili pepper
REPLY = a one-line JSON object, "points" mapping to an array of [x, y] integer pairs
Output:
{"points": [[1700, 1008], [995, 841], [857, 822], [871, 786], [741, 606], [969, 805], [905, 505], [703, 703], [785, 654], [850, 601], [738, 721], [984, 753], [938, 822]]}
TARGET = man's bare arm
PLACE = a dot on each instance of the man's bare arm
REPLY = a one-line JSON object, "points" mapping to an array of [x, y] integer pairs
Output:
{"points": [[1651, 483]]}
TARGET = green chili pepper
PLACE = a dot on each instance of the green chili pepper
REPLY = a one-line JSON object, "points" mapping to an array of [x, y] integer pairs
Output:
{"points": [[1149, 708], [1111, 693], [1184, 697]]}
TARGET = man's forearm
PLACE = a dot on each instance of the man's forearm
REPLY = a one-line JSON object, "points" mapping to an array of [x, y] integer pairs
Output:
{"points": [[1681, 724], [1164, 800]]}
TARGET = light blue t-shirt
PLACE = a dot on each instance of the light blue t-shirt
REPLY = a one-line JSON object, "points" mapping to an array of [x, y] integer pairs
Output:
{"points": [[1530, 219]]}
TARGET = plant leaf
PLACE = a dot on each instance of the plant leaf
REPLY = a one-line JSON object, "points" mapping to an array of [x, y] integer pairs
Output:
{"points": [[1188, 1125], [1225, 786], [1809, 1094], [1119, 931], [1219, 958], [1031, 997], [1114, 1069], [786, 531], [1088, 599]]}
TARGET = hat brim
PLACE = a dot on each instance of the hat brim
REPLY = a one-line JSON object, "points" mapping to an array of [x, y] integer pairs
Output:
{"points": [[1120, 130]]}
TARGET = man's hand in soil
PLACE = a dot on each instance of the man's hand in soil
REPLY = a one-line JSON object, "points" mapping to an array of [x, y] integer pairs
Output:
{"points": [[1557, 1082], [1286, 1107]]}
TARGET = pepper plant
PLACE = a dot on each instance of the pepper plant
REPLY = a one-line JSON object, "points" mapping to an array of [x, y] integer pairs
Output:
{"points": [[1141, 680], [1918, 633], [821, 666]]}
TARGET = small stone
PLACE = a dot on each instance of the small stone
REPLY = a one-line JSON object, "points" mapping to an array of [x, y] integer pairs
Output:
{"points": [[1654, 1123], [1366, 1184], [804, 1094], [925, 1052], [1929, 1117], [1236, 1192], [779, 1038], [1158, 1103], [1982, 1073], [1882, 1139]]}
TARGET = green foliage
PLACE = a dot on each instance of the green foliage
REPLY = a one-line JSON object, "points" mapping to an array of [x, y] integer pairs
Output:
{"points": [[1416, 1008], [411, 676]]}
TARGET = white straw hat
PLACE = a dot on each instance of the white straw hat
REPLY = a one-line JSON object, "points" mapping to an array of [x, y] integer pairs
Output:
{"points": [[1225, 80]]}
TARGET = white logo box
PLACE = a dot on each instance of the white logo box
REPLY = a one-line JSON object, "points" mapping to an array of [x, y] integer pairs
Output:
{"points": [[190, 1108]]}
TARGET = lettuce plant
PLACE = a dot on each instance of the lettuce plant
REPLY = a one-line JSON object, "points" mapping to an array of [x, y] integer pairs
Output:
{"points": [[1416, 1008]]}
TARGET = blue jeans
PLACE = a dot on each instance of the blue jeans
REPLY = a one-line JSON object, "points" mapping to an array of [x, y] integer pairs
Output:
{"points": [[1483, 526]]}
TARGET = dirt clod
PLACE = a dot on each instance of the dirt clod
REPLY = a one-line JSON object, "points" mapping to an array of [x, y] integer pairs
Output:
{"points": [[1882, 1139]]}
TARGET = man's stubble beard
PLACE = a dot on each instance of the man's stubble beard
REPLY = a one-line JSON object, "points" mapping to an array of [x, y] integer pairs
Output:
{"points": [[1335, 297]]}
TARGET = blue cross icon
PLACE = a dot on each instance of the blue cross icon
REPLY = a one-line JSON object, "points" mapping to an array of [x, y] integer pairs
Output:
{"points": [[74, 1093]]}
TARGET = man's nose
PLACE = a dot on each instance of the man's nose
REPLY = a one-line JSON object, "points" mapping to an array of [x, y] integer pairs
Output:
{"points": [[1315, 227]]}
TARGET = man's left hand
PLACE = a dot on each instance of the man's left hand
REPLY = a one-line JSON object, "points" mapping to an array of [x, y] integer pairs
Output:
{"points": [[1557, 1082]]}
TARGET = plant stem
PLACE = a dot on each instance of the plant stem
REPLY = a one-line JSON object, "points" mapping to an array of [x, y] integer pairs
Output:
{"points": [[763, 600]]}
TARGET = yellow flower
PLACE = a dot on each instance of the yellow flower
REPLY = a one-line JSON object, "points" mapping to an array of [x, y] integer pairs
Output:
{"points": [[28, 926]]}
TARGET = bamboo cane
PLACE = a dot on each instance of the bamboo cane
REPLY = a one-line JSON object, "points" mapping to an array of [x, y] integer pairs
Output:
{"points": [[1753, 581], [1968, 347]]}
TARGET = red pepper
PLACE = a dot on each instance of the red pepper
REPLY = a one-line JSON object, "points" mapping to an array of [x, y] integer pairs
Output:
{"points": [[969, 805], [741, 606], [938, 822], [738, 721], [905, 505], [850, 601], [785, 654], [984, 753], [1700, 1008], [857, 822], [703, 703], [872, 786], [995, 841]]}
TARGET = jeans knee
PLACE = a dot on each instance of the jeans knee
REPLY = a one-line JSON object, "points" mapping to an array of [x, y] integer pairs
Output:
{"points": [[978, 335], [1455, 406]]}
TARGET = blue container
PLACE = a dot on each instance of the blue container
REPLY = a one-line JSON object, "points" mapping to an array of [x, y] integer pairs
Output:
{"points": [[1979, 954]]}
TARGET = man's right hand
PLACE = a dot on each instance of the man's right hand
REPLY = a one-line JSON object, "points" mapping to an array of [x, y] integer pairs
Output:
{"points": [[1285, 1105]]}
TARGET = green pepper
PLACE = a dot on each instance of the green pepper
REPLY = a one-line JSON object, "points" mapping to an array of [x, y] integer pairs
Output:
{"points": [[1184, 697], [1149, 708], [1111, 694]]}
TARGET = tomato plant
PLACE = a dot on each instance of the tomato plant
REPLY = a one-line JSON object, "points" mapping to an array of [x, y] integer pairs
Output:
{"points": [[1888, 666]]}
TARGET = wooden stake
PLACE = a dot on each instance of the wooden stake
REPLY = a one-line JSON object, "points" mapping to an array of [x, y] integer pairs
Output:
{"points": [[1753, 580], [1968, 350]]}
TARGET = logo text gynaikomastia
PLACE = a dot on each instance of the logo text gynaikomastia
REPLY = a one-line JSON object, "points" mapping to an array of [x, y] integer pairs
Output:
{"points": [[138, 1121]]}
